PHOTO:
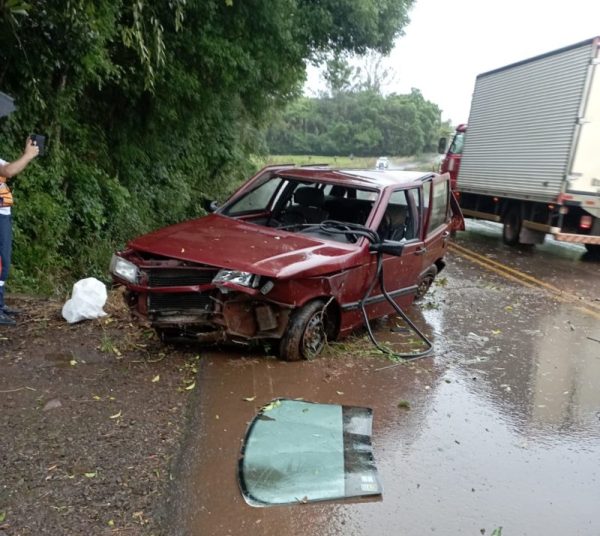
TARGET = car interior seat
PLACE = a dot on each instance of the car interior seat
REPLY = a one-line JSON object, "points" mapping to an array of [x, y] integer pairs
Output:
{"points": [[308, 206], [343, 205], [395, 223]]}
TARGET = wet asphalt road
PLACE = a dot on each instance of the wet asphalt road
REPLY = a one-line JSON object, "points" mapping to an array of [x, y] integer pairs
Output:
{"points": [[502, 427]]}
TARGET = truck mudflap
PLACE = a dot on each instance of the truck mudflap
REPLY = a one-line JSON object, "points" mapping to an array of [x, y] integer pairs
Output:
{"points": [[577, 238]]}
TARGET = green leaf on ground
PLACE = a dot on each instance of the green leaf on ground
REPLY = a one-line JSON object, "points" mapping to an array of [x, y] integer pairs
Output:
{"points": [[272, 405]]}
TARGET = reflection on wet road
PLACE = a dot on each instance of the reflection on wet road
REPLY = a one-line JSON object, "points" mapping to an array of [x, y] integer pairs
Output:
{"points": [[501, 428], [564, 265]]}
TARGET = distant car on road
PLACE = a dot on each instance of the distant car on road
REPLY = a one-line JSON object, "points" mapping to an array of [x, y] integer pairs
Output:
{"points": [[291, 258], [382, 163]]}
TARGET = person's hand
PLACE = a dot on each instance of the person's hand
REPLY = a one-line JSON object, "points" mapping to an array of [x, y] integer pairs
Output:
{"points": [[31, 149]]}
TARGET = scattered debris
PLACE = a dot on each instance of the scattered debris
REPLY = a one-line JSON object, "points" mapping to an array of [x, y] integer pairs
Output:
{"points": [[480, 340], [404, 404], [86, 302], [52, 404]]}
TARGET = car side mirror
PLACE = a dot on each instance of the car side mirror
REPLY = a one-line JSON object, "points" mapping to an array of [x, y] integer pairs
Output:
{"points": [[213, 206], [388, 246], [442, 145]]}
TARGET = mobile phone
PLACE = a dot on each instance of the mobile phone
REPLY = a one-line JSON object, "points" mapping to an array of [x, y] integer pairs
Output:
{"points": [[40, 141]]}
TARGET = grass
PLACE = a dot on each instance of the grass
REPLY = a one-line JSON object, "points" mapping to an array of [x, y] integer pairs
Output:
{"points": [[334, 161]]}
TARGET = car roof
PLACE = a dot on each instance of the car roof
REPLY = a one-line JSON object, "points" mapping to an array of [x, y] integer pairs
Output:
{"points": [[365, 178]]}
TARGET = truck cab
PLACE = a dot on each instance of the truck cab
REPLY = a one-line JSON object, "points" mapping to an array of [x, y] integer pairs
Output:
{"points": [[451, 162]]}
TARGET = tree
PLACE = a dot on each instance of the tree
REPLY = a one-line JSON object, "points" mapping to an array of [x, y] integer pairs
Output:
{"points": [[152, 107], [371, 74], [360, 122]]}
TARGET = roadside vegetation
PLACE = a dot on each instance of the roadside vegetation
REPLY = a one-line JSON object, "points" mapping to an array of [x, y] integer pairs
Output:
{"points": [[425, 162], [357, 122], [151, 109]]}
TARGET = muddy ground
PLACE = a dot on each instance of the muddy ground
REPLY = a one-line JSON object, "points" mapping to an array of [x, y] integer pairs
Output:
{"points": [[105, 430], [91, 416]]}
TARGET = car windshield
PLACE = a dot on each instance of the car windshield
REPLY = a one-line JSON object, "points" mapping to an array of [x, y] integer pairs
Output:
{"points": [[297, 452], [299, 206]]}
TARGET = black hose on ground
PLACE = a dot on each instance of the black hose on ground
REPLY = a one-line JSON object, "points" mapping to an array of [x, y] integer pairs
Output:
{"points": [[354, 231]]}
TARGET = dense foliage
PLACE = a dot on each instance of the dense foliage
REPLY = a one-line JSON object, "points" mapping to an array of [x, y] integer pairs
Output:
{"points": [[150, 108], [362, 122]]}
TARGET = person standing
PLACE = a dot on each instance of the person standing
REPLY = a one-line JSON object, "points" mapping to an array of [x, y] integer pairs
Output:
{"points": [[7, 171]]}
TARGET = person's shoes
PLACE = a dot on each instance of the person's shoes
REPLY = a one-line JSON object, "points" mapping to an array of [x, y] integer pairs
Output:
{"points": [[6, 320], [11, 312]]}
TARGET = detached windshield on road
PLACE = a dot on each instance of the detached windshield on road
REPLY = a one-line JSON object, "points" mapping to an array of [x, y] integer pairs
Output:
{"points": [[299, 452]]}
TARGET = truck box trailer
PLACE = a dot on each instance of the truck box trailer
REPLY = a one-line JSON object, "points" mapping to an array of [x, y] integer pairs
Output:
{"points": [[530, 156]]}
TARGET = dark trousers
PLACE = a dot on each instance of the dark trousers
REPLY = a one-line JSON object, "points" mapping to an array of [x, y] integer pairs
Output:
{"points": [[5, 251]]}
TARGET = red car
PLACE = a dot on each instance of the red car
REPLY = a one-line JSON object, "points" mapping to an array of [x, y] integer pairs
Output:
{"points": [[292, 256]]}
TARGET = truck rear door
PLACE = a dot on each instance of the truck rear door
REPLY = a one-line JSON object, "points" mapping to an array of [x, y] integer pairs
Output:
{"points": [[584, 177]]}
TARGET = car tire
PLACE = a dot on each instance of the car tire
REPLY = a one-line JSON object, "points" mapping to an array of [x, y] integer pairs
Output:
{"points": [[306, 334], [425, 282], [511, 228]]}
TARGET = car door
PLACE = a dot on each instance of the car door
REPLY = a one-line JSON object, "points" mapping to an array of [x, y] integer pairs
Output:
{"points": [[436, 216], [402, 222]]}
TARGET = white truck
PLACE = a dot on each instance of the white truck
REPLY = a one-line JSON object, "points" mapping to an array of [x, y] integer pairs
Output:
{"points": [[530, 156]]}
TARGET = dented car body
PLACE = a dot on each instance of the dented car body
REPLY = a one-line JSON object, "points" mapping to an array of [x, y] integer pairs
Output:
{"points": [[289, 257]]}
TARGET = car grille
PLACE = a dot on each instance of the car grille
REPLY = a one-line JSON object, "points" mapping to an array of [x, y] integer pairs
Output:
{"points": [[179, 302], [180, 277]]}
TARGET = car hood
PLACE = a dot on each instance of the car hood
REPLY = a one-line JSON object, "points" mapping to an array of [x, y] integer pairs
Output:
{"points": [[237, 245]]}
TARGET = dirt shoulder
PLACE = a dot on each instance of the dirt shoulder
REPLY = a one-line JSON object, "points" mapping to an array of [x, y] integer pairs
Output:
{"points": [[91, 417]]}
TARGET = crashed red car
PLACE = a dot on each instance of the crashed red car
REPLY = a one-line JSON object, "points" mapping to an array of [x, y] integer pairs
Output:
{"points": [[291, 256]]}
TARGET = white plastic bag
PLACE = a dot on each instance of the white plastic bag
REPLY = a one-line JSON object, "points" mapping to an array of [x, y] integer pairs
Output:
{"points": [[87, 300]]}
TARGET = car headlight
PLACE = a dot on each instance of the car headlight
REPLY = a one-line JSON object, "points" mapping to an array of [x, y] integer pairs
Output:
{"points": [[245, 279], [124, 269]]}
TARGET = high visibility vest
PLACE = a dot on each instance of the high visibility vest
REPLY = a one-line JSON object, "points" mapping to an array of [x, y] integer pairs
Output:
{"points": [[6, 198]]}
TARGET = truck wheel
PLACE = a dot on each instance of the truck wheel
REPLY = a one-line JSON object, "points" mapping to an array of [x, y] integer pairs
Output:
{"points": [[512, 225], [306, 334], [425, 282]]}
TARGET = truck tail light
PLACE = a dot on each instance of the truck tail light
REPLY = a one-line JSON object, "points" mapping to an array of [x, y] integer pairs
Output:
{"points": [[585, 222]]}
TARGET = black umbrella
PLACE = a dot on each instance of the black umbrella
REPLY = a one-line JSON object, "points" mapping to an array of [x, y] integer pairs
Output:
{"points": [[7, 104]]}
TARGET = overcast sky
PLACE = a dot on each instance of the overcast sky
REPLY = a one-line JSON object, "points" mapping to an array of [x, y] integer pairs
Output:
{"points": [[448, 43]]}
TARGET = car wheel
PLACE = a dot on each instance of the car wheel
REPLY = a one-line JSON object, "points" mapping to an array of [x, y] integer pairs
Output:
{"points": [[306, 334], [425, 282], [512, 225]]}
